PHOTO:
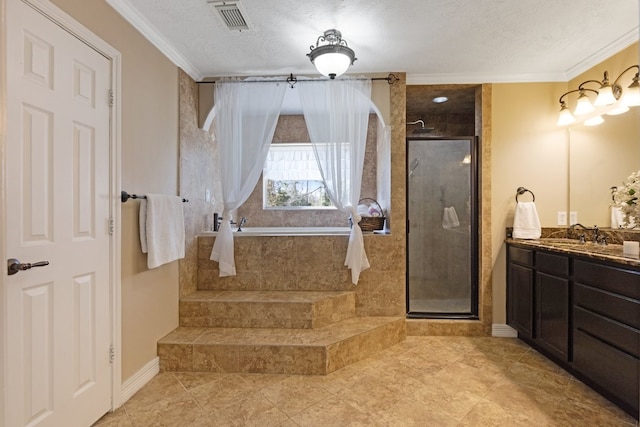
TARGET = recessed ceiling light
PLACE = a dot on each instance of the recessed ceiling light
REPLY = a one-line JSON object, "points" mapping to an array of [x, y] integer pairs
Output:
{"points": [[440, 99]]}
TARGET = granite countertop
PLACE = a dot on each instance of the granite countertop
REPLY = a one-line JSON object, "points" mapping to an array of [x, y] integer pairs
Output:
{"points": [[609, 252]]}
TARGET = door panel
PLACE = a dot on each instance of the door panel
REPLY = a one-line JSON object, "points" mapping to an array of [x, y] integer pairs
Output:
{"points": [[58, 316]]}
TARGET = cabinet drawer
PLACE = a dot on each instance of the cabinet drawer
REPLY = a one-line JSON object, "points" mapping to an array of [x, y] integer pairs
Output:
{"points": [[614, 306], [608, 278], [552, 264], [613, 370], [617, 334], [521, 256]]}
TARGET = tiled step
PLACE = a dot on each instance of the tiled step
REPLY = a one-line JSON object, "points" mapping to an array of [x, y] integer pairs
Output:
{"points": [[266, 309], [316, 351]]}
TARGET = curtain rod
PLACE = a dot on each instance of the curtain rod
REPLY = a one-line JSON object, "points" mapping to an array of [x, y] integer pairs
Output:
{"points": [[292, 80]]}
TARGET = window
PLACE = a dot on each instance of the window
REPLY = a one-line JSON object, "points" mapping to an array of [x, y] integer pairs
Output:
{"points": [[291, 179]]}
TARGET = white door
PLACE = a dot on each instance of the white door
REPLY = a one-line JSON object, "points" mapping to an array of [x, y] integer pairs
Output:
{"points": [[58, 331]]}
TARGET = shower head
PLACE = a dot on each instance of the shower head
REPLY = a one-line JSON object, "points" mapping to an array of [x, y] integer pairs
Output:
{"points": [[421, 129]]}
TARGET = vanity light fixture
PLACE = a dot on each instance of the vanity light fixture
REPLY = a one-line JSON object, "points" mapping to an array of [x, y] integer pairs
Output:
{"points": [[333, 58], [611, 99], [594, 121]]}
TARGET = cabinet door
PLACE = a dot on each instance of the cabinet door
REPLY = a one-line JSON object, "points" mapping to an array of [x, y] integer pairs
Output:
{"points": [[552, 314], [520, 299]]}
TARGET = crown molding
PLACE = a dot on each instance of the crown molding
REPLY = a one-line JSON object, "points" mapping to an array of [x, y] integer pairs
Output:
{"points": [[606, 52], [462, 78], [140, 23]]}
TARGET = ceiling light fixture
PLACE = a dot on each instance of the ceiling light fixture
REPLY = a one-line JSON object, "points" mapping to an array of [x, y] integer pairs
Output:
{"points": [[440, 99], [334, 58], [611, 99]]}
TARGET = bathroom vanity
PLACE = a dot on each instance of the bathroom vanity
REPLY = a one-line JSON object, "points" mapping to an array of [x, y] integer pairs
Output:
{"points": [[579, 305]]}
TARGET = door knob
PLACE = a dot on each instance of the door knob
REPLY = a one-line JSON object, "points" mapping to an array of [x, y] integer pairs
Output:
{"points": [[14, 266]]}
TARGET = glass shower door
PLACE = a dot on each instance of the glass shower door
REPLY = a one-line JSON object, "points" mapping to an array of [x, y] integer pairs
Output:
{"points": [[442, 233]]}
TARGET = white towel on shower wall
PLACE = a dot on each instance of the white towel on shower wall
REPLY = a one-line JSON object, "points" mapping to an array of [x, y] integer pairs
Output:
{"points": [[162, 229], [526, 224], [450, 218]]}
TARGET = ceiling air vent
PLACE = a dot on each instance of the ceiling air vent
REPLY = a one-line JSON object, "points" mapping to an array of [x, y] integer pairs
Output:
{"points": [[231, 13]]}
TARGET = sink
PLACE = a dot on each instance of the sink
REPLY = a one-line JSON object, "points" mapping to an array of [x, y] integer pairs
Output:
{"points": [[561, 241]]}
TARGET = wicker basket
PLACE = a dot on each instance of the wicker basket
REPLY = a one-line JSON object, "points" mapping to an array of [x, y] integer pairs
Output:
{"points": [[371, 223]]}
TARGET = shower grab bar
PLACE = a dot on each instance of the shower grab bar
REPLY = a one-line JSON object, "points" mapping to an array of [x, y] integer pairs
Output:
{"points": [[521, 190], [124, 196]]}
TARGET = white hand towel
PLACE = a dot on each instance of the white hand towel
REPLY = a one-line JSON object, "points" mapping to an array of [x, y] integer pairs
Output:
{"points": [[450, 218], [162, 229], [526, 224]]}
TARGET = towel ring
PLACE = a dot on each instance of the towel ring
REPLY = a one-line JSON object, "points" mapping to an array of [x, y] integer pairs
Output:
{"points": [[521, 190]]}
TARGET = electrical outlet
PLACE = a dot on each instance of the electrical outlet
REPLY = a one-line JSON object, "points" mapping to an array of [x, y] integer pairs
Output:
{"points": [[562, 218], [207, 196], [573, 218]]}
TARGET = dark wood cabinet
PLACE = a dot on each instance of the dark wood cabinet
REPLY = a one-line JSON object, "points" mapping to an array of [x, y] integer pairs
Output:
{"points": [[552, 304], [606, 329], [520, 295], [582, 313]]}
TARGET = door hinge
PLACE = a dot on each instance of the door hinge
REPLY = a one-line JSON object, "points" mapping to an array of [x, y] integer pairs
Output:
{"points": [[112, 226], [111, 98], [112, 353]]}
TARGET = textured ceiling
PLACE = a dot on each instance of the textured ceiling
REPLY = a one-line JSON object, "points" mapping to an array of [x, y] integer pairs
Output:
{"points": [[435, 41]]}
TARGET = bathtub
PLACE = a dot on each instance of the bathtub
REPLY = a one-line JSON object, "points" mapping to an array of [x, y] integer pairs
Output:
{"points": [[287, 231]]}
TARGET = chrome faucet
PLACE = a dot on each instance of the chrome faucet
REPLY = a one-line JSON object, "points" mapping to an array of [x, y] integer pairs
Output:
{"points": [[596, 237], [242, 221]]}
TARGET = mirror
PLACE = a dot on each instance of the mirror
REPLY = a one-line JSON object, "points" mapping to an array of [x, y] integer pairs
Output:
{"points": [[603, 156]]}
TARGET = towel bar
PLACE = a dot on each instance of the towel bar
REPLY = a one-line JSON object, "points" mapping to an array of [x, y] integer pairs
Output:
{"points": [[124, 196], [521, 190]]}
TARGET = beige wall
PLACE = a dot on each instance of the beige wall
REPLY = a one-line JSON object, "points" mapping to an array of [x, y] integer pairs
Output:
{"points": [[149, 165], [529, 150]]}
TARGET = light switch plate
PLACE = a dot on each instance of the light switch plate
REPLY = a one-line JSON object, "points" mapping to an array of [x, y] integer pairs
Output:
{"points": [[573, 218], [562, 218]]}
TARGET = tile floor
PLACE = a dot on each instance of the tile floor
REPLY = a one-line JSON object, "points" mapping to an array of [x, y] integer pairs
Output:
{"points": [[424, 381]]}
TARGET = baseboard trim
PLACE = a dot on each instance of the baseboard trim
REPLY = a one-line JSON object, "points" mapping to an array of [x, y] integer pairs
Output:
{"points": [[139, 379], [505, 331]]}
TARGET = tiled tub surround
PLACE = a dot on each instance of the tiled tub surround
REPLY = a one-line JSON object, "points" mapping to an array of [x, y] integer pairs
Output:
{"points": [[291, 309]]}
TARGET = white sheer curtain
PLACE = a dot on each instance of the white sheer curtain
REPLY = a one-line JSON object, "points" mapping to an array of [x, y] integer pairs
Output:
{"points": [[246, 118], [337, 115]]}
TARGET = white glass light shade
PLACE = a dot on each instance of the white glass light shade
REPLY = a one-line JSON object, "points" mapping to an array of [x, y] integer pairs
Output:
{"points": [[565, 117], [631, 96], [605, 96], [620, 109], [594, 121], [332, 64], [583, 106], [332, 60]]}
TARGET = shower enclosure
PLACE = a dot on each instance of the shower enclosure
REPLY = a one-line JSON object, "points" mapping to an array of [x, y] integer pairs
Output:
{"points": [[442, 229]]}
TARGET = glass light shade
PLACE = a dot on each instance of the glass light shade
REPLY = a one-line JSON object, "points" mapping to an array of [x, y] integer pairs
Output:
{"points": [[332, 64], [605, 96], [594, 121], [565, 117], [332, 60], [620, 109], [631, 96], [583, 106]]}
